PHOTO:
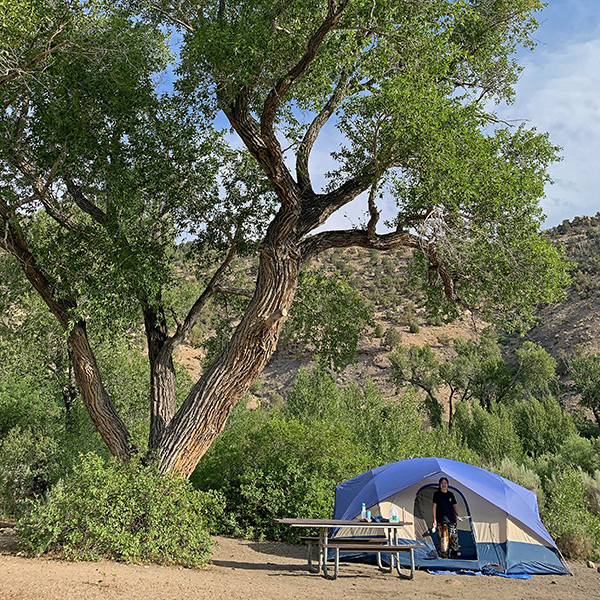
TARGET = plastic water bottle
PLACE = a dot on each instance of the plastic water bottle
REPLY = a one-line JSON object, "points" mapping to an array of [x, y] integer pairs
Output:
{"points": [[363, 512], [394, 515]]}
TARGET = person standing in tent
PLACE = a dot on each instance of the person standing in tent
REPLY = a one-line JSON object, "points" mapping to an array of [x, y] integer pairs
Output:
{"points": [[445, 514]]}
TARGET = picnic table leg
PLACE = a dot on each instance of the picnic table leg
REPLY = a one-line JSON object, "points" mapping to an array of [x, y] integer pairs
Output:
{"points": [[323, 549], [412, 565], [336, 568], [388, 534], [311, 567]]}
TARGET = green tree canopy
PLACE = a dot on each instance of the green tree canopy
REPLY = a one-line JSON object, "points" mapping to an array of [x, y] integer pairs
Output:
{"points": [[101, 173]]}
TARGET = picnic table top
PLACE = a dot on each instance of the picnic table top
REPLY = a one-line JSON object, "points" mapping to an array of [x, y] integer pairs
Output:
{"points": [[296, 522]]}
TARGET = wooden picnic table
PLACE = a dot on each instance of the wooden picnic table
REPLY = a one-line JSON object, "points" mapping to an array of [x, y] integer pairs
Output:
{"points": [[386, 543]]}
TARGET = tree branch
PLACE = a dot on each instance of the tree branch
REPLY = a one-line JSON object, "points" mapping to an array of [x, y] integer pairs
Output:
{"points": [[224, 289], [84, 204], [306, 146], [317, 244], [172, 18], [42, 188], [16, 72], [287, 81], [192, 316], [317, 208]]}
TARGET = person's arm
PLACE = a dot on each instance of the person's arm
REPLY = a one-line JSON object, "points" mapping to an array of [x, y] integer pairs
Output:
{"points": [[434, 515], [455, 506]]}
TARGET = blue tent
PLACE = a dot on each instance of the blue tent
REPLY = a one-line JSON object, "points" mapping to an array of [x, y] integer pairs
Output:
{"points": [[504, 532]]}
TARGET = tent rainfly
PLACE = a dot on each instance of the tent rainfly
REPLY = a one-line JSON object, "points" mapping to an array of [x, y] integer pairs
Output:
{"points": [[504, 533]]}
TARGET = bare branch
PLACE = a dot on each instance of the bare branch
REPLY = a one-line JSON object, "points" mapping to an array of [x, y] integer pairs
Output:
{"points": [[42, 189], [15, 72], [172, 18], [316, 244], [280, 313], [373, 212], [223, 289], [25, 201], [84, 204], [192, 316]]}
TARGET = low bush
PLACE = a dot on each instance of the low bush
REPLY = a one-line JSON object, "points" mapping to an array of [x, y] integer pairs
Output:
{"points": [[567, 515], [392, 338], [591, 486], [28, 466], [125, 512], [542, 425], [521, 475], [490, 434]]}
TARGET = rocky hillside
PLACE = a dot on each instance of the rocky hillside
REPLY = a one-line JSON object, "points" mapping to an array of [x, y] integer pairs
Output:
{"points": [[563, 329], [574, 324]]}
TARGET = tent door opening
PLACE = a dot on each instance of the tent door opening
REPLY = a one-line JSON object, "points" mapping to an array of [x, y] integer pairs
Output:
{"points": [[423, 518]]}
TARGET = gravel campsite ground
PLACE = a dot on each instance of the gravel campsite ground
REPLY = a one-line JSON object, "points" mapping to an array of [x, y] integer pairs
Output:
{"points": [[265, 571]]}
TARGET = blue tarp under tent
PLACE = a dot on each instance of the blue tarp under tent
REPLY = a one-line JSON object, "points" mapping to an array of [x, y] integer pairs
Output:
{"points": [[504, 533]]}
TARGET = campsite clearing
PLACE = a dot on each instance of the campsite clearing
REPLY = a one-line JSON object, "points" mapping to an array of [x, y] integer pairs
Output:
{"points": [[243, 570]]}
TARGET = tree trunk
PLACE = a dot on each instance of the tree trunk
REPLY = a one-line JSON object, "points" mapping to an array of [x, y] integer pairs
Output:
{"points": [[162, 376], [205, 411], [96, 399]]}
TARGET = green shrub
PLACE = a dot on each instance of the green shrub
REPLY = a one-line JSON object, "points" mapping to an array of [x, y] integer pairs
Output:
{"points": [[447, 443], [386, 429], [28, 466], [521, 475], [490, 434], [413, 326], [581, 453], [392, 338], [27, 401], [567, 516], [542, 425], [444, 339], [591, 486], [125, 512], [267, 467]]}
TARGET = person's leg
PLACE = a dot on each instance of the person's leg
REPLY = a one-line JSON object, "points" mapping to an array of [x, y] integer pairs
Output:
{"points": [[443, 539], [453, 535]]}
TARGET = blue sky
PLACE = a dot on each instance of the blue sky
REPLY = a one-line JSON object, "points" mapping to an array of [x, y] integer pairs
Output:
{"points": [[559, 92]]}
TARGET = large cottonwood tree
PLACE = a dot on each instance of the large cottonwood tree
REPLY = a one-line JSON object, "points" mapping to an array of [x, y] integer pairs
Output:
{"points": [[100, 173]]}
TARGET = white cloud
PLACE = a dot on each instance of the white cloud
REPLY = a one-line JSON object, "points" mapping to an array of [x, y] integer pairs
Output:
{"points": [[559, 92]]}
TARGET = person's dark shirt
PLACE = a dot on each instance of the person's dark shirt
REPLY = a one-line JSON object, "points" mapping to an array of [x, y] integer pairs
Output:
{"points": [[444, 510]]}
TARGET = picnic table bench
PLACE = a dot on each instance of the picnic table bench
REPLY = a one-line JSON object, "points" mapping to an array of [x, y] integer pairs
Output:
{"points": [[379, 549]]}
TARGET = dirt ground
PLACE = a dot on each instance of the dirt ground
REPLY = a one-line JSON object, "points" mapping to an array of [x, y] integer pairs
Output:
{"points": [[266, 571]]}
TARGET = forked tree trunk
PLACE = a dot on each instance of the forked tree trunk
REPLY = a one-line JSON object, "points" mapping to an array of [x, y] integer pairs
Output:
{"points": [[162, 376], [96, 399], [205, 411]]}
